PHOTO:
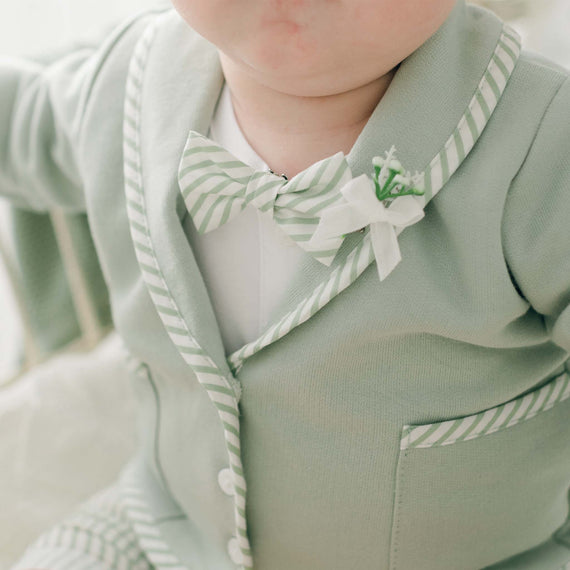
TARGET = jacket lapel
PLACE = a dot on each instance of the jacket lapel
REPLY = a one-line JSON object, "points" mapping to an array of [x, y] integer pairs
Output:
{"points": [[187, 80], [167, 266], [436, 108]]}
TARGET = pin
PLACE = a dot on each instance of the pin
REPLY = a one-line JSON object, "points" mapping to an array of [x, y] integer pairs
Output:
{"points": [[282, 175]]}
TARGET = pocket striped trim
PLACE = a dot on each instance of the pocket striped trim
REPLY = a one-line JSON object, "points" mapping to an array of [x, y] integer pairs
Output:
{"points": [[490, 421]]}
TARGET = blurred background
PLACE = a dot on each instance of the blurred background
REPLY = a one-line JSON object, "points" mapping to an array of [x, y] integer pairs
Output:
{"points": [[78, 402]]}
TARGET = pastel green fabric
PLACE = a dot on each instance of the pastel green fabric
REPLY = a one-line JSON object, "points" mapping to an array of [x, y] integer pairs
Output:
{"points": [[43, 280], [420, 422]]}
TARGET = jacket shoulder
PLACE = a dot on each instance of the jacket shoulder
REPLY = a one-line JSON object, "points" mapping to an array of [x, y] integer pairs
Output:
{"points": [[536, 78], [533, 63], [104, 101], [113, 56]]}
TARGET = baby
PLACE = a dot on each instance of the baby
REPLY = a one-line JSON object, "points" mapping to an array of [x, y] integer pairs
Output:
{"points": [[336, 241]]}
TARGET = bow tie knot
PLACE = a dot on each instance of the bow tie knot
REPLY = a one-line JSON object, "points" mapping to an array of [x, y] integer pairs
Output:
{"points": [[262, 190]]}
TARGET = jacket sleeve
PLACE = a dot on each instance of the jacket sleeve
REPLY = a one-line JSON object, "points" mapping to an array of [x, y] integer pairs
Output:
{"points": [[536, 223], [42, 108]]}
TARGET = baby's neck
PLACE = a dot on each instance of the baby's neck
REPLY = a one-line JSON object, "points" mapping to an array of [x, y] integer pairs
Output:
{"points": [[290, 132]]}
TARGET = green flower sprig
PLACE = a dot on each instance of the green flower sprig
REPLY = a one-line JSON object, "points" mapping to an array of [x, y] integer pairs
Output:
{"points": [[390, 179]]}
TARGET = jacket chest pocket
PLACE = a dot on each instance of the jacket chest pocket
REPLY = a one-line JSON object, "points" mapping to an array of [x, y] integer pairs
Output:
{"points": [[475, 490]]}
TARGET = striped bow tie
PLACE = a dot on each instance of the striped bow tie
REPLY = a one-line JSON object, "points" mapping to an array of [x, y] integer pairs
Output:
{"points": [[216, 186]]}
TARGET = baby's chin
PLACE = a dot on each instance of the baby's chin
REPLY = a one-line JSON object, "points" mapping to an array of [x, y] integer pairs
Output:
{"points": [[281, 48], [296, 79], [303, 69], [318, 74]]}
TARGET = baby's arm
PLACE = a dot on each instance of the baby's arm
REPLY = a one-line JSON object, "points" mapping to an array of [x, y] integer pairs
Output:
{"points": [[537, 221], [43, 106], [41, 111], [42, 116]]}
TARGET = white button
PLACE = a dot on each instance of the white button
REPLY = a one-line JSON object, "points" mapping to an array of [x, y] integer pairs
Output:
{"points": [[235, 551], [226, 481]]}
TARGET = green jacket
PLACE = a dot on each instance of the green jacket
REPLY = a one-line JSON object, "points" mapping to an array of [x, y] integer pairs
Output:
{"points": [[421, 422]]}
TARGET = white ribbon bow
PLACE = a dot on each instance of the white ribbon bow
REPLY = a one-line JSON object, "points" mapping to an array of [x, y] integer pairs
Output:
{"points": [[362, 209]]}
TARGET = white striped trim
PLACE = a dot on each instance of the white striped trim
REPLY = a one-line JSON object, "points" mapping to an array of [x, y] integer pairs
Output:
{"points": [[97, 535], [475, 118], [490, 421], [145, 527], [65, 559], [219, 388]]}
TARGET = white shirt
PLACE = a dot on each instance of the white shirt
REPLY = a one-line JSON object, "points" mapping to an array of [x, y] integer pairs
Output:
{"points": [[248, 262]]}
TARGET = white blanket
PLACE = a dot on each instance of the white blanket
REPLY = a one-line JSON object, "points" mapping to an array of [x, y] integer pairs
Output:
{"points": [[66, 430]]}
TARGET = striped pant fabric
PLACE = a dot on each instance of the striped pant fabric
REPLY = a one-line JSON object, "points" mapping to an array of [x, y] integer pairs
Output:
{"points": [[96, 536]]}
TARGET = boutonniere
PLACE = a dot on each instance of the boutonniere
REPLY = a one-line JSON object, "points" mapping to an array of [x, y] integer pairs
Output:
{"points": [[382, 203]]}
